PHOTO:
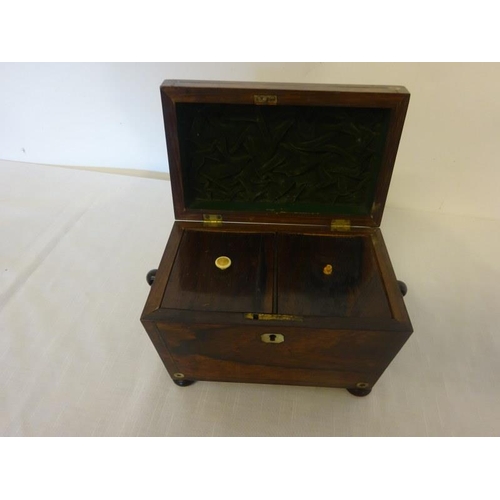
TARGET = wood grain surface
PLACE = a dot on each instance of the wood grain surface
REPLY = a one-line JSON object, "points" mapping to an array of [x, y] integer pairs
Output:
{"points": [[197, 284], [305, 357], [350, 287]]}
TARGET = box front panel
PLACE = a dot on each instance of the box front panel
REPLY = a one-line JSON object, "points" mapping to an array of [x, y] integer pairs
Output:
{"points": [[267, 354]]}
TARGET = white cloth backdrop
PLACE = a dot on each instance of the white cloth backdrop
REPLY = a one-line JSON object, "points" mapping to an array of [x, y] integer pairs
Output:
{"points": [[74, 360]]}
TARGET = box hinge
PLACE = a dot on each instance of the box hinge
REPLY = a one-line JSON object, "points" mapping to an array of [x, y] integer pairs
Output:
{"points": [[212, 220], [340, 225]]}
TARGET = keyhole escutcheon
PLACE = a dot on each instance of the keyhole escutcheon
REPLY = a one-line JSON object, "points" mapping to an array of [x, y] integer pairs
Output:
{"points": [[272, 338]]}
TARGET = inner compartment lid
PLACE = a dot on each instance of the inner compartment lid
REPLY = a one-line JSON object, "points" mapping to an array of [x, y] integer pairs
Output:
{"points": [[284, 153]]}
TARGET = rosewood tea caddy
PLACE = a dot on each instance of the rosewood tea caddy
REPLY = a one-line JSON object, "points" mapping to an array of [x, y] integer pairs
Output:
{"points": [[276, 270]]}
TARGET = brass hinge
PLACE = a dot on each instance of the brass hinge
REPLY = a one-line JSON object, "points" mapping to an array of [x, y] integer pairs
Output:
{"points": [[340, 225], [212, 220]]}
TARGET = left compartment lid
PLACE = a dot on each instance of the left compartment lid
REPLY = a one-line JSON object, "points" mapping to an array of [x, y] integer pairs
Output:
{"points": [[222, 272]]}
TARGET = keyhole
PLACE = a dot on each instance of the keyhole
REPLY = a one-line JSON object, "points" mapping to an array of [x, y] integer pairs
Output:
{"points": [[272, 338]]}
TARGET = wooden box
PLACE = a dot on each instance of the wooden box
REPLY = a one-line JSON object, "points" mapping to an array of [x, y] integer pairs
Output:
{"points": [[288, 182]]}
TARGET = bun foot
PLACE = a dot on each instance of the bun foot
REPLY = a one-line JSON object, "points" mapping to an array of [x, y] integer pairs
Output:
{"points": [[150, 277], [183, 383], [359, 392], [403, 288]]}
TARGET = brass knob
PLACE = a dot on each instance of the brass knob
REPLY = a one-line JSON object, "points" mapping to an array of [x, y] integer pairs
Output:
{"points": [[328, 269], [222, 262]]}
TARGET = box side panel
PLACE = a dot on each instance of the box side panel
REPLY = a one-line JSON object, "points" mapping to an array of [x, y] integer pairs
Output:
{"points": [[394, 296], [158, 287], [160, 346]]}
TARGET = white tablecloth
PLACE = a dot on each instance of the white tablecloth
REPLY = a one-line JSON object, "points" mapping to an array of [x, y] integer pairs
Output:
{"points": [[75, 247]]}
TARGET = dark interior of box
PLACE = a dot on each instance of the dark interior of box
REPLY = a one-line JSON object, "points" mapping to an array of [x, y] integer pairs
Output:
{"points": [[302, 159]]}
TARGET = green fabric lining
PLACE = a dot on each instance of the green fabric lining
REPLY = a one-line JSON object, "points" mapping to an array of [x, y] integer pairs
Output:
{"points": [[301, 159]]}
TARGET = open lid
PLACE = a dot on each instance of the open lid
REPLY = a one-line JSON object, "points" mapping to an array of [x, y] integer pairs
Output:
{"points": [[281, 153]]}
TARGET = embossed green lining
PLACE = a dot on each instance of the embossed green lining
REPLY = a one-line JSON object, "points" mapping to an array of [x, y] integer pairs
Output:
{"points": [[301, 159]]}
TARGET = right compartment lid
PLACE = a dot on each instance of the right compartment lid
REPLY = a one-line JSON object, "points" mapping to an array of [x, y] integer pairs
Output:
{"points": [[330, 276]]}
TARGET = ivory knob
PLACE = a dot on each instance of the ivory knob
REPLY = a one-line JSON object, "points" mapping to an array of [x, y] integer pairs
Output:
{"points": [[222, 262]]}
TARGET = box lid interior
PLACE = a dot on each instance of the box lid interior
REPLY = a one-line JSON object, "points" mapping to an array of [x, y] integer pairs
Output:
{"points": [[278, 153]]}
